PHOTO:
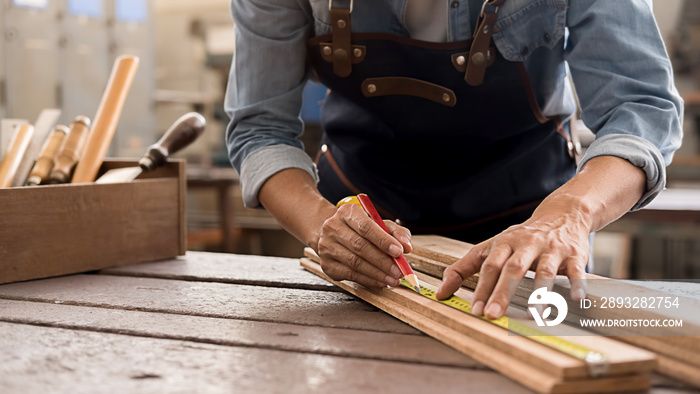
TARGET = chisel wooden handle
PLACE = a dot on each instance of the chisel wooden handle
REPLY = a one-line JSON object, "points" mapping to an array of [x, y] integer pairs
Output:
{"points": [[106, 118], [182, 133], [47, 156], [15, 152], [70, 152]]}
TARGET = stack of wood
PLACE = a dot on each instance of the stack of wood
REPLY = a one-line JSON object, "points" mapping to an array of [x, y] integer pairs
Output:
{"points": [[677, 356], [536, 366]]}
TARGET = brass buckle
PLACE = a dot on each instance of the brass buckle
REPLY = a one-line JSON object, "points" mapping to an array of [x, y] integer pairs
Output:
{"points": [[330, 5]]}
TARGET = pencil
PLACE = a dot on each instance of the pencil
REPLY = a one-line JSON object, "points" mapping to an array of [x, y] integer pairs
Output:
{"points": [[405, 268]]}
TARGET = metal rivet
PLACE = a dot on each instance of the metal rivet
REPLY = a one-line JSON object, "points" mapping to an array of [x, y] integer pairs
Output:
{"points": [[342, 24], [461, 60], [340, 54], [357, 52], [327, 50], [371, 88], [478, 59], [446, 97], [324, 148], [547, 37], [486, 29], [454, 4]]}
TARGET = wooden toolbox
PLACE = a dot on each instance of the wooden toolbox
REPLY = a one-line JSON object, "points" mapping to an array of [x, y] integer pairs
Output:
{"points": [[63, 229]]}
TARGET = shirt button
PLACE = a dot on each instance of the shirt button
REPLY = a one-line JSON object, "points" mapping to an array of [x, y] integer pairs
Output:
{"points": [[547, 37], [524, 51], [454, 4]]}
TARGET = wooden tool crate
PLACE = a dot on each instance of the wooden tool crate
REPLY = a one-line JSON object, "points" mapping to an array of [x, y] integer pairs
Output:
{"points": [[63, 229]]}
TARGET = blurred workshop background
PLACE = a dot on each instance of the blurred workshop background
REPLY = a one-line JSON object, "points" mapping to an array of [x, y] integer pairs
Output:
{"points": [[58, 54]]}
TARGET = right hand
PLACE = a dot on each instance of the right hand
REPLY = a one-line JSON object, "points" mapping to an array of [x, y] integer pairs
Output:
{"points": [[353, 247]]}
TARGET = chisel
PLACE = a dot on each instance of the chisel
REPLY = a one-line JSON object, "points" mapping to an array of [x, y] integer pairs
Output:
{"points": [[47, 157], [71, 150], [15, 152], [106, 118], [8, 127], [42, 127], [182, 133]]}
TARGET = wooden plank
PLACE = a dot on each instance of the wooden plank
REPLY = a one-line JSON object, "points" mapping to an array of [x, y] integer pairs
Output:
{"points": [[295, 306], [290, 337], [679, 357], [229, 268], [60, 229], [684, 372], [439, 248], [597, 285], [623, 358], [41, 359], [522, 371]]}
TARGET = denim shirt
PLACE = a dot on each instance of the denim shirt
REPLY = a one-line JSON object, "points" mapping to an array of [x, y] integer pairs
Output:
{"points": [[612, 49]]}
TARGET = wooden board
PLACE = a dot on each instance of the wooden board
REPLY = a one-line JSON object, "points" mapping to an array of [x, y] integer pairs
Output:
{"points": [[295, 306], [434, 253], [40, 359], [409, 348], [229, 268], [60, 229], [476, 338]]}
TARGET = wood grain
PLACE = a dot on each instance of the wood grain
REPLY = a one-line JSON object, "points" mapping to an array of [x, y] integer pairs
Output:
{"points": [[679, 356], [294, 306], [232, 332], [522, 371], [229, 268], [33, 359], [60, 229]]}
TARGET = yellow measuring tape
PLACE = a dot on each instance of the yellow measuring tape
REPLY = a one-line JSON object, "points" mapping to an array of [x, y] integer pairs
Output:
{"points": [[596, 361]]}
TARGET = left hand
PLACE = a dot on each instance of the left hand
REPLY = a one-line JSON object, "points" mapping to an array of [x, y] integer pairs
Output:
{"points": [[553, 241]]}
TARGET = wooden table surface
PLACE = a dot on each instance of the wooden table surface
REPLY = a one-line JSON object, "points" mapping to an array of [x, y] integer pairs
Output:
{"points": [[221, 323]]}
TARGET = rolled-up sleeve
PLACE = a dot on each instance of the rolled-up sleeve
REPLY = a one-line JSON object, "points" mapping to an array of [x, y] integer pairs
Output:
{"points": [[264, 93], [624, 80]]}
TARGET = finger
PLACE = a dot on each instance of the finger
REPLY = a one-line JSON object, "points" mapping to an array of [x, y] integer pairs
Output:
{"points": [[546, 273], [356, 218], [513, 270], [337, 238], [356, 263], [464, 268], [400, 233], [576, 271], [488, 276], [338, 271]]}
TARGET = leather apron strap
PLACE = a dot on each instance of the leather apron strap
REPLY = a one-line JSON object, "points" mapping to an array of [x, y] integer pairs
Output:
{"points": [[479, 54]]}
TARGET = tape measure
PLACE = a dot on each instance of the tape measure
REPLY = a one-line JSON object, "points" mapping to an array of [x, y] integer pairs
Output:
{"points": [[596, 362]]}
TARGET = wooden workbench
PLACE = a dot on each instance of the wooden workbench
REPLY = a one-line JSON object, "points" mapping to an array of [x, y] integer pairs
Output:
{"points": [[220, 323]]}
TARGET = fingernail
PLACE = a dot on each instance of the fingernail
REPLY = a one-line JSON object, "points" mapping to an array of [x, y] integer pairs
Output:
{"points": [[494, 311], [478, 308], [392, 282], [395, 271], [579, 294], [404, 239], [395, 251]]}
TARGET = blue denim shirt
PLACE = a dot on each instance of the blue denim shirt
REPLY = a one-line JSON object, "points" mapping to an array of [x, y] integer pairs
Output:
{"points": [[612, 49]]}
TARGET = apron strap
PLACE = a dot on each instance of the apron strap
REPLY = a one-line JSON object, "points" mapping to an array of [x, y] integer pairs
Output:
{"points": [[340, 33], [479, 54]]}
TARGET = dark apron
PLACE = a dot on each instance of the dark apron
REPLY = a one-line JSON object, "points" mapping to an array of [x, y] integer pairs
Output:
{"points": [[443, 148]]}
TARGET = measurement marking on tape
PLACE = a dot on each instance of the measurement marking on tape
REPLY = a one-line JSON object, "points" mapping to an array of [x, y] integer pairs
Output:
{"points": [[596, 362]]}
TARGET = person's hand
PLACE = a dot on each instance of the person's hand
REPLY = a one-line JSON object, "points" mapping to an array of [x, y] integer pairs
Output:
{"points": [[553, 241], [354, 247]]}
